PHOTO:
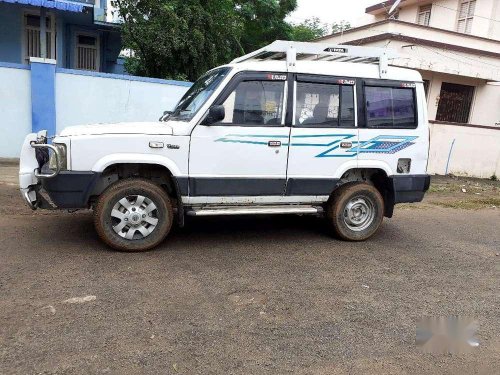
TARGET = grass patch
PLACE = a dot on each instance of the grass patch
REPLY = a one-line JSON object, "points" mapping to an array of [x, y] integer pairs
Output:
{"points": [[470, 204], [444, 188]]}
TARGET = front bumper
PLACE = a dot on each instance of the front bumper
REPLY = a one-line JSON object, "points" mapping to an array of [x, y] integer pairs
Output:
{"points": [[68, 190]]}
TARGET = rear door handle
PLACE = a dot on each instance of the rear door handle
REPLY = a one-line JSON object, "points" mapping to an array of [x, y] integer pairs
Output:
{"points": [[274, 143]]}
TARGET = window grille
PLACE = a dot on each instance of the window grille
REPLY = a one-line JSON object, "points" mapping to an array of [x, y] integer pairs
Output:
{"points": [[455, 102], [87, 53], [32, 42]]}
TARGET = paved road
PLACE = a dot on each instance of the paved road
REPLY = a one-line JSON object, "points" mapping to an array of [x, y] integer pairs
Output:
{"points": [[271, 295]]}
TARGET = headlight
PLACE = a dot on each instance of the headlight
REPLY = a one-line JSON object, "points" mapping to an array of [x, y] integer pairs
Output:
{"points": [[63, 164]]}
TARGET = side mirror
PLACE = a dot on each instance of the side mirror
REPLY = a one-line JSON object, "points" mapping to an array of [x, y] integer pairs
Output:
{"points": [[216, 113]]}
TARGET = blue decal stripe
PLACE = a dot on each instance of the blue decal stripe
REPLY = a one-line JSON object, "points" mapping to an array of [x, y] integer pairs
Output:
{"points": [[255, 136], [381, 144], [324, 135]]}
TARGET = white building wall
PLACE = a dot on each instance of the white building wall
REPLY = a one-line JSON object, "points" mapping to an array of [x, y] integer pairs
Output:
{"points": [[494, 29], [83, 99], [468, 151], [444, 15], [486, 106], [484, 16], [15, 109]]}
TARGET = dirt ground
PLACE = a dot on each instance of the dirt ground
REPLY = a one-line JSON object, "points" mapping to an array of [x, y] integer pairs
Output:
{"points": [[262, 295]]}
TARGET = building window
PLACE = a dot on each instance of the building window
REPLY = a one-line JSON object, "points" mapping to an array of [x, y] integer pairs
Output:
{"points": [[455, 103], [390, 107], [32, 43], [87, 52], [465, 16], [424, 15]]}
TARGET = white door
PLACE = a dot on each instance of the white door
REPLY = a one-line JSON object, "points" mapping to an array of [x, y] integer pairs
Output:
{"points": [[324, 136], [246, 153]]}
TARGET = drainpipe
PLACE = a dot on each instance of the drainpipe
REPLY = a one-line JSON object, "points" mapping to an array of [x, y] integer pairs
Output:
{"points": [[43, 34]]}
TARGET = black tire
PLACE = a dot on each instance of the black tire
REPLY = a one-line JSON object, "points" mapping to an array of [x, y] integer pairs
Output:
{"points": [[363, 199], [105, 224]]}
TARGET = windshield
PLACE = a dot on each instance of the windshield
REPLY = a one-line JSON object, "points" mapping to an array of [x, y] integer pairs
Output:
{"points": [[198, 94]]}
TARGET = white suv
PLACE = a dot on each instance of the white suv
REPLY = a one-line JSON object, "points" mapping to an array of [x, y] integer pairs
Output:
{"points": [[287, 129]]}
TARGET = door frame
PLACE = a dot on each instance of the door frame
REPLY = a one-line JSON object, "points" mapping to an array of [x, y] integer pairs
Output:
{"points": [[242, 186]]}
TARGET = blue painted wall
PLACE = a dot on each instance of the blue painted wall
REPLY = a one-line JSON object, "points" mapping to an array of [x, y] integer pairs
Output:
{"points": [[68, 24], [43, 108], [42, 96], [11, 33]]}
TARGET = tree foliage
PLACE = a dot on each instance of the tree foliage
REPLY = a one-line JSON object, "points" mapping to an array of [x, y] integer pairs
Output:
{"points": [[308, 30], [181, 39], [338, 27], [178, 38], [263, 21]]}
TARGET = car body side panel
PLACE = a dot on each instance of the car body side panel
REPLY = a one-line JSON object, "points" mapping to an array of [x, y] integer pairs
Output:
{"points": [[90, 153]]}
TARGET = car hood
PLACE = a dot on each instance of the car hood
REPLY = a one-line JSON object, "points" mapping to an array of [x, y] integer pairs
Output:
{"points": [[119, 128]]}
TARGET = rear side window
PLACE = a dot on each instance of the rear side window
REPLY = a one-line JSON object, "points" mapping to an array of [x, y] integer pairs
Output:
{"points": [[324, 105], [390, 107]]}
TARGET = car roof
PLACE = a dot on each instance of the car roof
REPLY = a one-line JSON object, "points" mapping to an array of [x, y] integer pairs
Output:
{"points": [[331, 68]]}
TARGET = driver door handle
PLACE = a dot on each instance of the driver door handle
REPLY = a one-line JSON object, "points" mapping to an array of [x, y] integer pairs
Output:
{"points": [[274, 143]]}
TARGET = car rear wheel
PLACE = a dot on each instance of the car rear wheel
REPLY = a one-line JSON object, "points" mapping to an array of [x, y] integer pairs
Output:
{"points": [[133, 215], [355, 211]]}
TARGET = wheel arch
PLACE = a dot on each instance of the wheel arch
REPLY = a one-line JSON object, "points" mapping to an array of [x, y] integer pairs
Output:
{"points": [[379, 178], [112, 159], [363, 164], [158, 172]]}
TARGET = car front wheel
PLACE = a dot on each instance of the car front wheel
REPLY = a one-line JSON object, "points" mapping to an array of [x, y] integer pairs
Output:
{"points": [[133, 215]]}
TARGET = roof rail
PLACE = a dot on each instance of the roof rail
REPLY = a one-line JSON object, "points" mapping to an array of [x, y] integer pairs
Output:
{"points": [[306, 51]]}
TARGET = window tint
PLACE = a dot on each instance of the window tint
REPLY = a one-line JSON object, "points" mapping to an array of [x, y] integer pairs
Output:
{"points": [[390, 107], [255, 103], [347, 106], [322, 104]]}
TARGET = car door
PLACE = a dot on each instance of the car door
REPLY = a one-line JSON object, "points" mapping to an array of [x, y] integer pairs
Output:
{"points": [[245, 154], [324, 135]]}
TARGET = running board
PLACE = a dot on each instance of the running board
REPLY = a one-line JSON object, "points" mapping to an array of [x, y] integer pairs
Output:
{"points": [[253, 210]]}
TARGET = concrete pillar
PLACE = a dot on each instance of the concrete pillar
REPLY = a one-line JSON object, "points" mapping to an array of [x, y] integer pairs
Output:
{"points": [[43, 99]]}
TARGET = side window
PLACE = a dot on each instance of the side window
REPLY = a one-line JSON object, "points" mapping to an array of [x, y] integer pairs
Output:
{"points": [[255, 103], [390, 107], [324, 105]]}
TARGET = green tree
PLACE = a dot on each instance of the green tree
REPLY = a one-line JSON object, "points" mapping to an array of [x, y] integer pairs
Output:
{"points": [[308, 30], [263, 21], [182, 39], [338, 27], [178, 39]]}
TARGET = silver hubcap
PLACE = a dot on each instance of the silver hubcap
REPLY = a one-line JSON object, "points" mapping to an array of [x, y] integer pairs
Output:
{"points": [[134, 217], [359, 213]]}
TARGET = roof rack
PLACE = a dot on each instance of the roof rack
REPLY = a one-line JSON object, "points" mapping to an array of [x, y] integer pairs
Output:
{"points": [[306, 51]]}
